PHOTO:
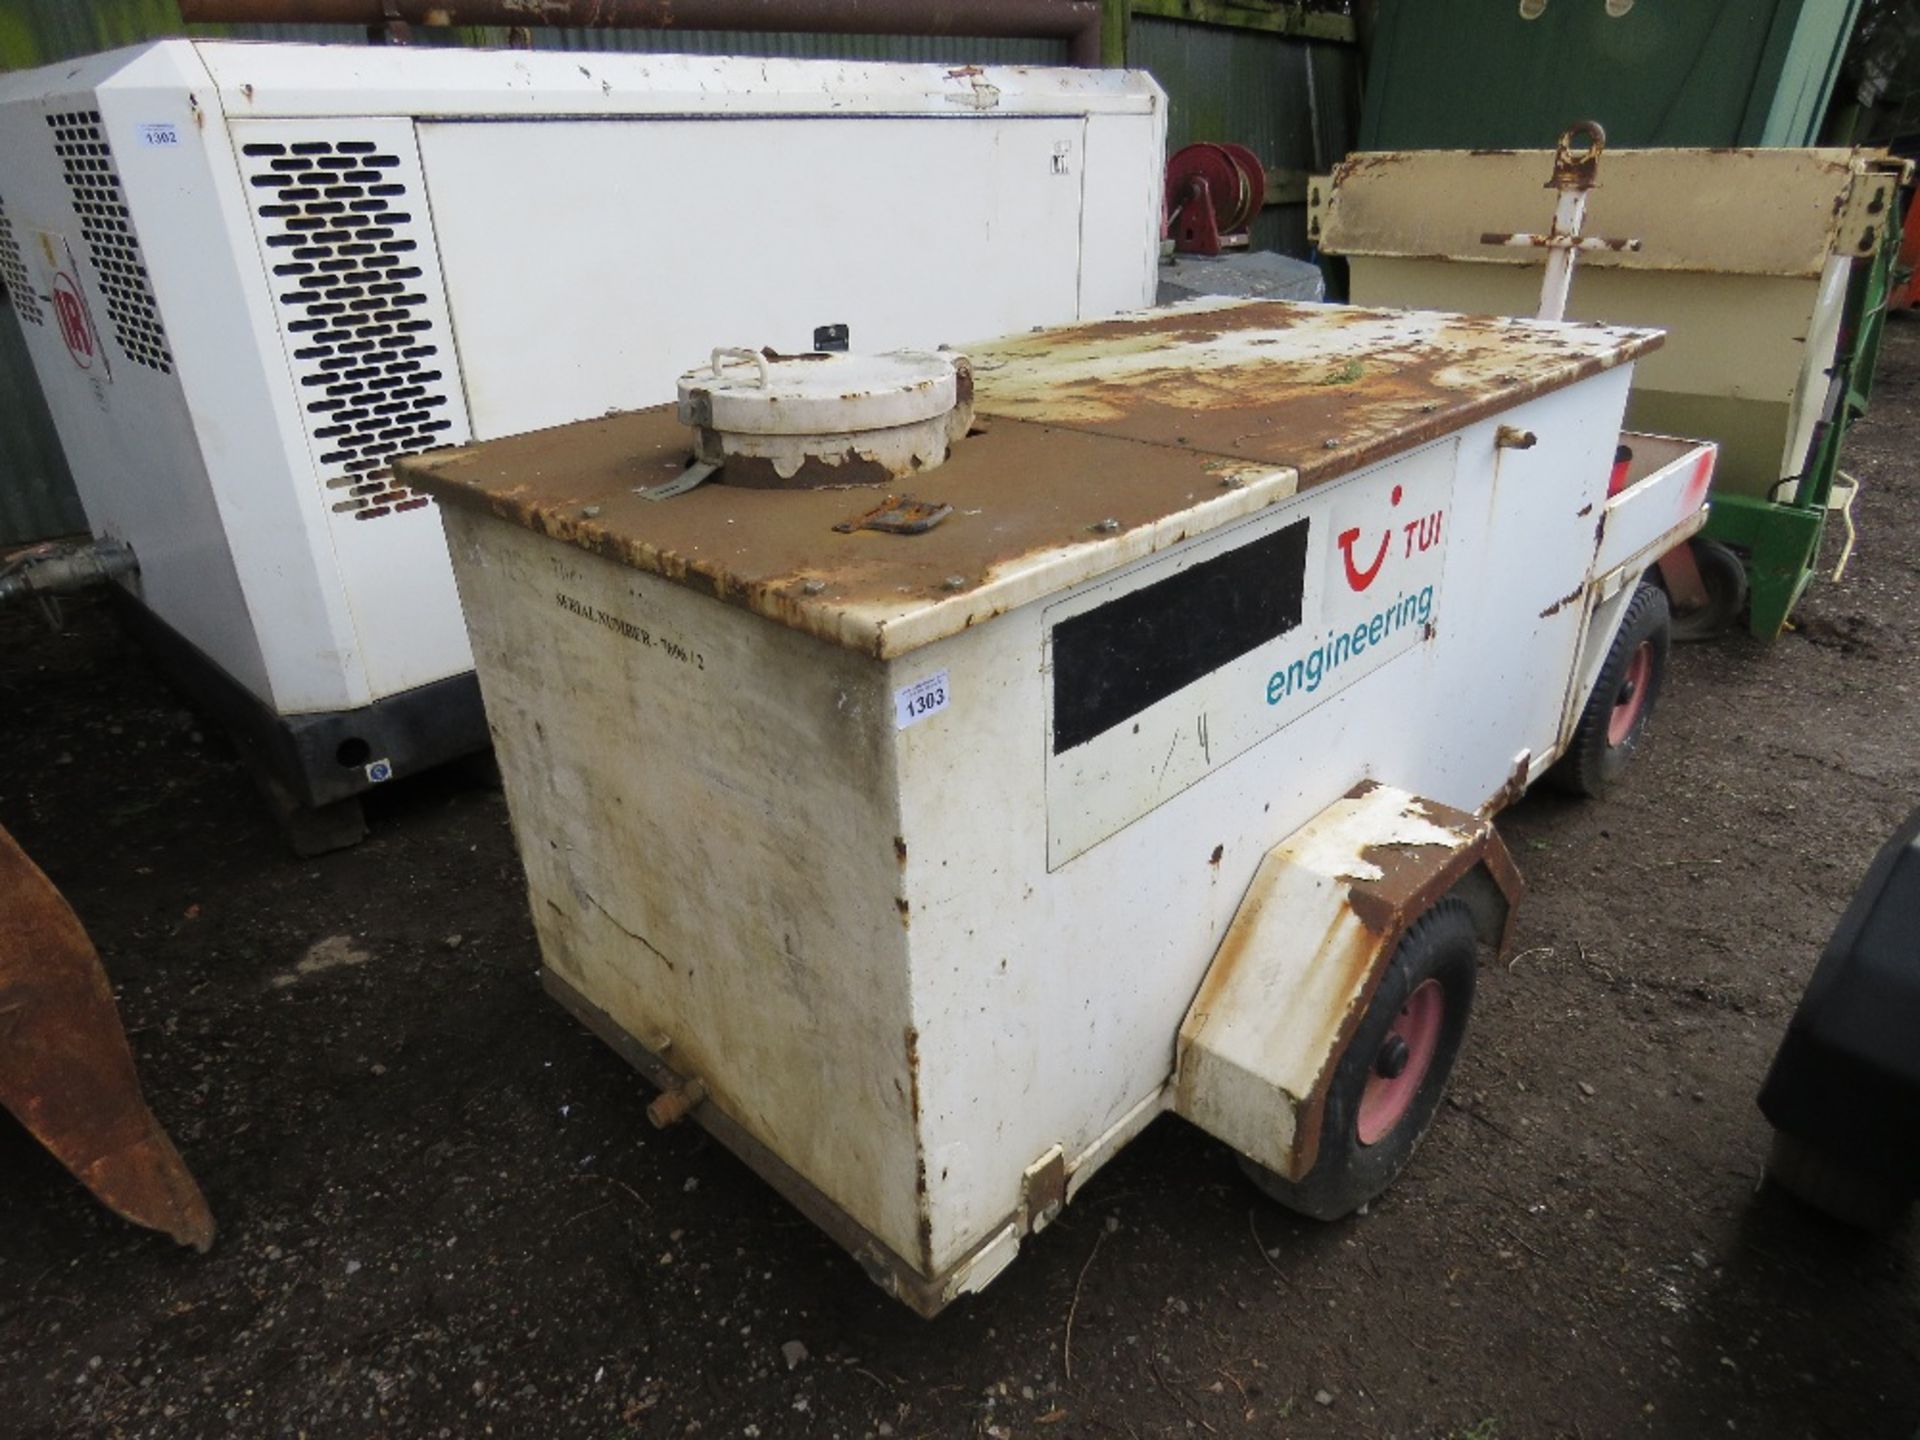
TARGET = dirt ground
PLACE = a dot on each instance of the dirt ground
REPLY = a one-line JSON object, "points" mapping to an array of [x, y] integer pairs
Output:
{"points": [[443, 1214]]}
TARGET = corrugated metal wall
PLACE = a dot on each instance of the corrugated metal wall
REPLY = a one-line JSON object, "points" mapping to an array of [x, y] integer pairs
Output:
{"points": [[1294, 102]]}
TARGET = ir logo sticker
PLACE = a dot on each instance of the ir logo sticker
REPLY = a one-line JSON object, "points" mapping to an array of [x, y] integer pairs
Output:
{"points": [[76, 320], [914, 703]]}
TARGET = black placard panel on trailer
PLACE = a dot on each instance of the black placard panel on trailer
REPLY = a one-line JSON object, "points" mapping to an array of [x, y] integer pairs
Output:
{"points": [[1112, 662]]}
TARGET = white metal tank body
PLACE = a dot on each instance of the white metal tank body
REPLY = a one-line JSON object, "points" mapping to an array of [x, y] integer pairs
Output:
{"points": [[899, 854], [251, 276]]}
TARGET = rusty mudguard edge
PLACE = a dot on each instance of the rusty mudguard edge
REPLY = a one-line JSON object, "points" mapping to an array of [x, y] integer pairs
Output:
{"points": [[66, 1072], [1304, 955]]}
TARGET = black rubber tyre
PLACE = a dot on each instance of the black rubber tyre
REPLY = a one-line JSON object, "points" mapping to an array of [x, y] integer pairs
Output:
{"points": [[1837, 1191], [1725, 576], [1596, 757], [1441, 946]]}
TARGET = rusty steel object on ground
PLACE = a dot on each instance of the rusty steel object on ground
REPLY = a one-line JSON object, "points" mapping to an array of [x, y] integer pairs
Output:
{"points": [[66, 1072], [1075, 21]]}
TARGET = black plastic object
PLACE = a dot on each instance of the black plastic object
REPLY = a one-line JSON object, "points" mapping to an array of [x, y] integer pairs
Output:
{"points": [[1847, 1077], [1112, 662], [831, 337]]}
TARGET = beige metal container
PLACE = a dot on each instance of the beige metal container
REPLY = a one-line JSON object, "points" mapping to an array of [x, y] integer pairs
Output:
{"points": [[1743, 260]]}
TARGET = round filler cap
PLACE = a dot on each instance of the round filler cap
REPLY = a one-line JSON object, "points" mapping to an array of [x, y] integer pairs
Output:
{"points": [[754, 392]]}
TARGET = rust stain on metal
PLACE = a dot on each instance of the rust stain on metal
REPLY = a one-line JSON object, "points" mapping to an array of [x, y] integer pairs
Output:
{"points": [[66, 1071], [906, 916], [1203, 379], [1510, 792], [1565, 600], [1364, 161], [1218, 851], [843, 471], [900, 848], [1551, 242], [1576, 166], [1134, 418], [923, 1204], [672, 1106], [1220, 972], [898, 515]]}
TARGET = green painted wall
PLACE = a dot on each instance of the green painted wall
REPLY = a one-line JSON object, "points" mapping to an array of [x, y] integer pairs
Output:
{"points": [[1462, 74]]}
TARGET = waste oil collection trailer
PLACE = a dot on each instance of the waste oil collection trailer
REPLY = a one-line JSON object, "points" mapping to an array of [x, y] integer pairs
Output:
{"points": [[930, 768]]}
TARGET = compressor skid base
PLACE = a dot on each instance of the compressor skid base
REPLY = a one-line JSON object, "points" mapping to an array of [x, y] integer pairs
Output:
{"points": [[925, 870]]}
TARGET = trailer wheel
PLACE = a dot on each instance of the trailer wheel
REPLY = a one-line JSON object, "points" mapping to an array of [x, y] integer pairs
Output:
{"points": [[1725, 576], [1615, 719], [1391, 1076]]}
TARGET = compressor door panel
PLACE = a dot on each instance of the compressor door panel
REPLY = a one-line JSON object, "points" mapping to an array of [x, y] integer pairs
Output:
{"points": [[631, 247]]}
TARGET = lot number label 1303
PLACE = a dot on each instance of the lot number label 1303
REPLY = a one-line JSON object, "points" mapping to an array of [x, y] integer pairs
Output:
{"points": [[914, 703]]}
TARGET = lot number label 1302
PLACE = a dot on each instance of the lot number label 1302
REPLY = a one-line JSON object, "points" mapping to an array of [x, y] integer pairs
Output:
{"points": [[914, 703]]}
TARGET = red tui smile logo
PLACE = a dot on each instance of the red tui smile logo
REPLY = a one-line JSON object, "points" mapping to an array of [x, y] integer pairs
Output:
{"points": [[1360, 577], [1421, 535]]}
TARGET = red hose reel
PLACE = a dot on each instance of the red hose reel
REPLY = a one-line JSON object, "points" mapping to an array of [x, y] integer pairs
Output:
{"points": [[1213, 193]]}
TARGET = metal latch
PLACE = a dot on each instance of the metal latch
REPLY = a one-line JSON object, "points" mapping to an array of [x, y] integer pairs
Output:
{"points": [[898, 515], [698, 472], [1044, 1189]]}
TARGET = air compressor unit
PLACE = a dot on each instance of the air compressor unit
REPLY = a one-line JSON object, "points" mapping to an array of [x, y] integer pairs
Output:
{"points": [[251, 276]]}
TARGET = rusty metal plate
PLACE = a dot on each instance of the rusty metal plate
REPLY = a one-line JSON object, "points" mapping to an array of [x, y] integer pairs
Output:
{"points": [[66, 1072], [1109, 442], [898, 515]]}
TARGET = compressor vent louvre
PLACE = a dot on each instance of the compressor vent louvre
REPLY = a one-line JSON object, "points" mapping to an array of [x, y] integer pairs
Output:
{"points": [[13, 270], [342, 249], [108, 231]]}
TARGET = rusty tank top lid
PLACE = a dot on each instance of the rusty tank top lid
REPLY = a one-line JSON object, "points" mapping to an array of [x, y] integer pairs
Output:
{"points": [[1094, 445]]}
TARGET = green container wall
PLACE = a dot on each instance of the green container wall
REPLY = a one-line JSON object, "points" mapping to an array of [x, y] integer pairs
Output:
{"points": [[1664, 72], [1292, 101]]}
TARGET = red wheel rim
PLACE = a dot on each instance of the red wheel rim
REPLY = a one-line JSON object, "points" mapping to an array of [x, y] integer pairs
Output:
{"points": [[1631, 703], [1407, 1051]]}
